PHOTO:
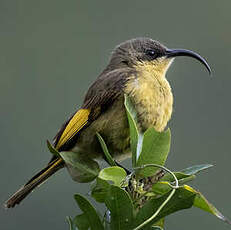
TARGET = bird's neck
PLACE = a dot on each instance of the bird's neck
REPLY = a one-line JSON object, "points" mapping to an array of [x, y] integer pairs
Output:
{"points": [[151, 95]]}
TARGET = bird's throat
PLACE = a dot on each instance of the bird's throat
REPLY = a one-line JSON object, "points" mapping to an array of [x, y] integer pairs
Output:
{"points": [[151, 95]]}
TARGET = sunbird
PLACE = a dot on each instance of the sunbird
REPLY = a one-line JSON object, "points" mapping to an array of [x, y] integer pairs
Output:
{"points": [[137, 68]]}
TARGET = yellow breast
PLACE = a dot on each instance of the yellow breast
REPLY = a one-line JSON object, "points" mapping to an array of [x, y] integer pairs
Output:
{"points": [[151, 95]]}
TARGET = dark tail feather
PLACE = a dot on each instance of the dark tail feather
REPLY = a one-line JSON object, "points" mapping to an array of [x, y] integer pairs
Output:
{"points": [[35, 181]]}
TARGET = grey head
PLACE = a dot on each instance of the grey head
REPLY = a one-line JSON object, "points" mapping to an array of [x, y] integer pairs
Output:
{"points": [[139, 50]]}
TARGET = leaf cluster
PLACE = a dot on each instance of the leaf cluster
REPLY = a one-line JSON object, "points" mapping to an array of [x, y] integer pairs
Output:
{"points": [[142, 199]]}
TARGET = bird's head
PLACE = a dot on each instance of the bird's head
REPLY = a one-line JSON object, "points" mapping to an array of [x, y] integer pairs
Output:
{"points": [[145, 52]]}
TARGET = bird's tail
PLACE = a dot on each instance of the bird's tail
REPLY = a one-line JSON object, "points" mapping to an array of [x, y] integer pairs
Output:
{"points": [[34, 182]]}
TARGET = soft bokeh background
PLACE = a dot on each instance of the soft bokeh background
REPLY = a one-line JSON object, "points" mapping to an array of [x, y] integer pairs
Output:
{"points": [[50, 51]]}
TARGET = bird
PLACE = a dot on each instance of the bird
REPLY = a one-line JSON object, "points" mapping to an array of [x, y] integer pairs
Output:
{"points": [[137, 68]]}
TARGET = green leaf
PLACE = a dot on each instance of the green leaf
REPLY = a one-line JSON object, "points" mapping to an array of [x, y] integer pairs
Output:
{"points": [[163, 186], [70, 222], [156, 228], [196, 169], [182, 177], [52, 149], [81, 222], [89, 212], [81, 168], [134, 133], [155, 149], [159, 225], [120, 205], [114, 173], [182, 199], [105, 150], [201, 202], [99, 190]]}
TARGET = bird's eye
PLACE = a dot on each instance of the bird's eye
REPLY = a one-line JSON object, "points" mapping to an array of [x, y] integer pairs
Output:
{"points": [[151, 53]]}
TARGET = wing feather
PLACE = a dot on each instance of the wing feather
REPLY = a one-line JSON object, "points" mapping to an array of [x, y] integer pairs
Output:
{"points": [[76, 123], [99, 97]]}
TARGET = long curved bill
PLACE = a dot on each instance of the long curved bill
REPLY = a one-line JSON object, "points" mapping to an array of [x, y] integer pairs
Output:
{"points": [[170, 53]]}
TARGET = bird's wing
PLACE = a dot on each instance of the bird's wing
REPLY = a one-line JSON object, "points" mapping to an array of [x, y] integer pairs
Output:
{"points": [[76, 123], [99, 97]]}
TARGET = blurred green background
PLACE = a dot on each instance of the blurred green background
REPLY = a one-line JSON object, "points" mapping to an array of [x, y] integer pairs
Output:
{"points": [[50, 51]]}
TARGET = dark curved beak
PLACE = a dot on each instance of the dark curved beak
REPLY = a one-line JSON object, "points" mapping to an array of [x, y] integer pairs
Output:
{"points": [[171, 53]]}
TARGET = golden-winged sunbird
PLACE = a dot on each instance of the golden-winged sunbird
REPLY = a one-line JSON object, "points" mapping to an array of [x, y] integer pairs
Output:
{"points": [[137, 68]]}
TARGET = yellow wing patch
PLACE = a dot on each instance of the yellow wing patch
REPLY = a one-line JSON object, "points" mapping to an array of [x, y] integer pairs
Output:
{"points": [[75, 124]]}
